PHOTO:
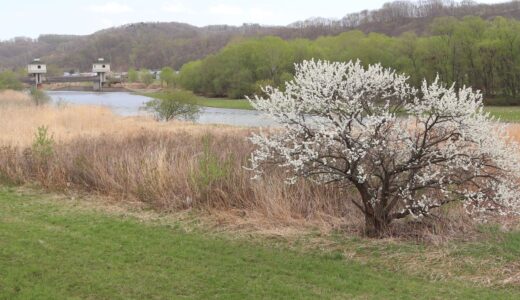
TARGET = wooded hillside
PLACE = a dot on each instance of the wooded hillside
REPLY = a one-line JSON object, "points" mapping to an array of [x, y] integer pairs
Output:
{"points": [[154, 45], [484, 54]]}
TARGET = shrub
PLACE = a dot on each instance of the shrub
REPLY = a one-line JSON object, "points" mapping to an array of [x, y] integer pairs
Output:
{"points": [[9, 81], [43, 145], [133, 75], [211, 168], [174, 104], [39, 97], [145, 76], [168, 76]]}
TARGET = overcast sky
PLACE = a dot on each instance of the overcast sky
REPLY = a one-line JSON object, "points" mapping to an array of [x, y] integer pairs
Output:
{"points": [[34, 17]]}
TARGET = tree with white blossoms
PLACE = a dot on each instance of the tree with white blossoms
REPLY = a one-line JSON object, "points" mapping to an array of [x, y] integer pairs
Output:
{"points": [[406, 151]]}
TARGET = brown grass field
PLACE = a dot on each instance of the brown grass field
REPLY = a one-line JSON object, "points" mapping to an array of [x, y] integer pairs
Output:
{"points": [[167, 166]]}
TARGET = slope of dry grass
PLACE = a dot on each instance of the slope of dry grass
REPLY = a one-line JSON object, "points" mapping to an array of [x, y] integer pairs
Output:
{"points": [[14, 98], [174, 167], [168, 166]]}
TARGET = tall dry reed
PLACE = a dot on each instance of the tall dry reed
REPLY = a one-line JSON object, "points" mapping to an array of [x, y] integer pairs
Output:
{"points": [[169, 166]]}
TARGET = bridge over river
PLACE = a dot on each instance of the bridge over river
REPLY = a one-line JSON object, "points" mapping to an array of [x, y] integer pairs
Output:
{"points": [[62, 79], [101, 69]]}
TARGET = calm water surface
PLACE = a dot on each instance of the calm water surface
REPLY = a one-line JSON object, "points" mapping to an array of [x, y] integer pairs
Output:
{"points": [[128, 104]]}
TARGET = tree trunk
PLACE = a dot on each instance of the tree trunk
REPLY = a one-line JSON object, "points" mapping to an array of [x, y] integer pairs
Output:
{"points": [[377, 218], [375, 227]]}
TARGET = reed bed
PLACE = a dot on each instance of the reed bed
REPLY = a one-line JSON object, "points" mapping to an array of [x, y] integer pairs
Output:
{"points": [[170, 167]]}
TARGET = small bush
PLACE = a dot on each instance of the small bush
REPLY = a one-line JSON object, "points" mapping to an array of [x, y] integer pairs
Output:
{"points": [[38, 97], [168, 76], [8, 81], [43, 145], [211, 168], [174, 104], [133, 75], [146, 77]]}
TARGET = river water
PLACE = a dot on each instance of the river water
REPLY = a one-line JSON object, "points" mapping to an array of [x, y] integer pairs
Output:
{"points": [[128, 104]]}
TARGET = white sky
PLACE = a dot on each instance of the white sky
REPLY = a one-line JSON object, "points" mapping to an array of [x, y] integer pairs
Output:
{"points": [[34, 17]]}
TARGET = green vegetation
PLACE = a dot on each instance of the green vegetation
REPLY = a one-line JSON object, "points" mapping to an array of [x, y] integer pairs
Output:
{"points": [[56, 249], [158, 44], [469, 51], [168, 77], [145, 76], [211, 102], [39, 97], [133, 75], [174, 104], [43, 145], [211, 169], [505, 113], [9, 80], [224, 103]]}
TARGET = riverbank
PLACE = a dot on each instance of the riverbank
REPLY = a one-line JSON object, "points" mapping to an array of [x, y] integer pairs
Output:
{"points": [[505, 113], [86, 89], [510, 114], [211, 102], [154, 92], [132, 104]]}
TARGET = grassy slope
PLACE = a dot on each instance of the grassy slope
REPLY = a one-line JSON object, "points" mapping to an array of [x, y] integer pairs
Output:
{"points": [[505, 113], [214, 102], [55, 250], [224, 103]]}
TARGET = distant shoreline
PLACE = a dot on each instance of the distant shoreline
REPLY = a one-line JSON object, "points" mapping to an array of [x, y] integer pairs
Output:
{"points": [[88, 89], [105, 89]]}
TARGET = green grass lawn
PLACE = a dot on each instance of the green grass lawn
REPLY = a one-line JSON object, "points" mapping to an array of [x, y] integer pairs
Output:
{"points": [[224, 103], [212, 102], [505, 113], [55, 250]]}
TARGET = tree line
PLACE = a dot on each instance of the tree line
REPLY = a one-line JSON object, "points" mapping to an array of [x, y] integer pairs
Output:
{"points": [[397, 11], [140, 45], [484, 54], [153, 45]]}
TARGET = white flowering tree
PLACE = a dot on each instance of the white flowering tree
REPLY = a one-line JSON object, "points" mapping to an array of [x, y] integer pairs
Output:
{"points": [[405, 151]]}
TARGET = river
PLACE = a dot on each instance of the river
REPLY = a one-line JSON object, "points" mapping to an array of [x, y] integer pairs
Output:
{"points": [[128, 104]]}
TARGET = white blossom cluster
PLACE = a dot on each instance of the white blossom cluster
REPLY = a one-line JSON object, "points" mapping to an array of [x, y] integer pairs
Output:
{"points": [[406, 151]]}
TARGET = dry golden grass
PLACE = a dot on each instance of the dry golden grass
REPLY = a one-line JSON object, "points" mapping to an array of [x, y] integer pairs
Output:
{"points": [[19, 120], [168, 166], [171, 171], [14, 98], [514, 131]]}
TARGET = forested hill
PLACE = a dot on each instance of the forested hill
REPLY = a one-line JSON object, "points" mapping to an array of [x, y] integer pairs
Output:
{"points": [[154, 45], [150, 45], [397, 17]]}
